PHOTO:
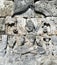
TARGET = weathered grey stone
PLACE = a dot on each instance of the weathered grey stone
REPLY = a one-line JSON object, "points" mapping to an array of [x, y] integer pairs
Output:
{"points": [[2, 25], [49, 26], [9, 20], [53, 24], [10, 30], [47, 0], [38, 41], [21, 22], [23, 48], [6, 8], [41, 50], [54, 40], [11, 41], [47, 9], [54, 50], [37, 23], [31, 38], [24, 4], [45, 28], [28, 14], [29, 62], [11, 27], [20, 40], [3, 45]]}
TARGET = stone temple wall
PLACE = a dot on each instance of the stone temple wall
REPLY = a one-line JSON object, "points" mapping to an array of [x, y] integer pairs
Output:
{"points": [[28, 32]]}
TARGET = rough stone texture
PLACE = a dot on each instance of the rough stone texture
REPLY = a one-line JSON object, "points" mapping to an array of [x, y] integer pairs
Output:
{"points": [[24, 4], [6, 8], [46, 8], [3, 44], [28, 32], [2, 25]]}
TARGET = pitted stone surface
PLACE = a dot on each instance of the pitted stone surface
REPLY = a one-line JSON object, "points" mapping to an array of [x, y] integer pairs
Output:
{"points": [[47, 8], [24, 4], [28, 32], [6, 8]]}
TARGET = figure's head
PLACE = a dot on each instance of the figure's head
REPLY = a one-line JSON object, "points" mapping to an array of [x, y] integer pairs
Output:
{"points": [[29, 26], [45, 26]]}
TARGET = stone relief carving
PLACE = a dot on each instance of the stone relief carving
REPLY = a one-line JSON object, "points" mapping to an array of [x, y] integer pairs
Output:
{"points": [[28, 32]]}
